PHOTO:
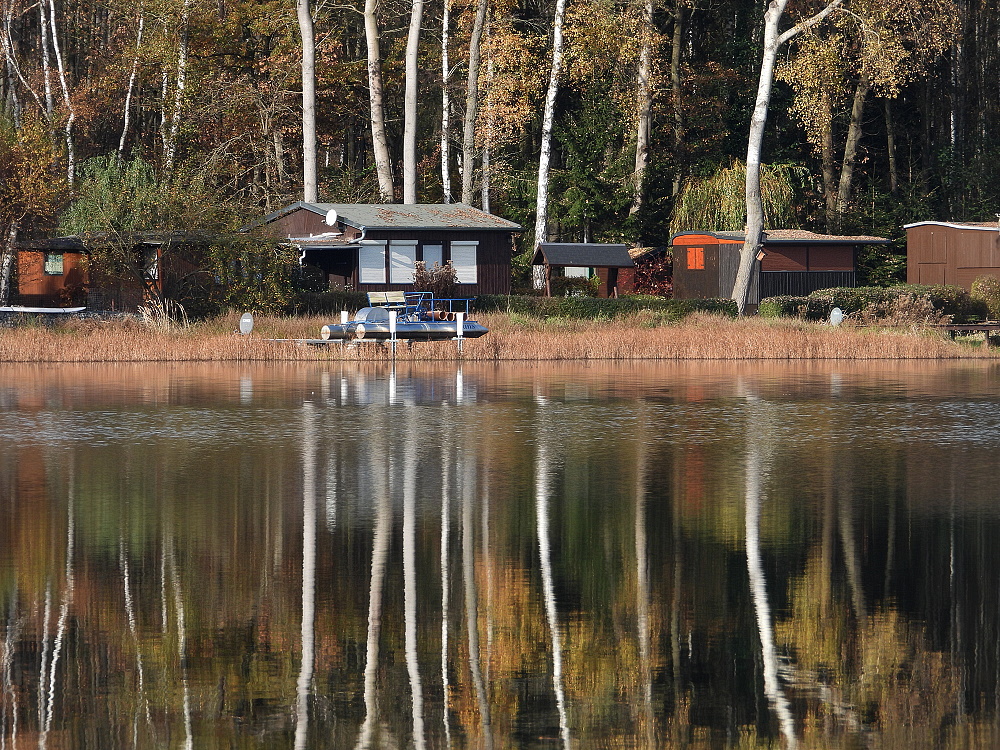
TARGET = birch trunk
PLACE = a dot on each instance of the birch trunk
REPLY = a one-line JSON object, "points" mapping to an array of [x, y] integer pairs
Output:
{"points": [[755, 210], [310, 188], [890, 137], [410, 104], [7, 255], [472, 103], [644, 100], [127, 119], [43, 23], [445, 105], [380, 144], [67, 102], [545, 151], [175, 118]]}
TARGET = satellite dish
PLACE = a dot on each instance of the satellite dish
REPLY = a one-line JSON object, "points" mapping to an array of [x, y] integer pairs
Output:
{"points": [[331, 217], [246, 323], [836, 316]]}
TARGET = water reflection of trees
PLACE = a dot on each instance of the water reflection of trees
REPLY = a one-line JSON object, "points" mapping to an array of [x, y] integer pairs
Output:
{"points": [[516, 573]]}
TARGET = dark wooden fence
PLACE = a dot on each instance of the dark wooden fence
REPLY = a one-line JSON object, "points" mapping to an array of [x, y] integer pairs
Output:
{"points": [[801, 283]]}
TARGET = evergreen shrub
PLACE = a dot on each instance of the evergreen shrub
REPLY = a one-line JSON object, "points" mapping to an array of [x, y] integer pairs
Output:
{"points": [[327, 303], [591, 308], [947, 300]]}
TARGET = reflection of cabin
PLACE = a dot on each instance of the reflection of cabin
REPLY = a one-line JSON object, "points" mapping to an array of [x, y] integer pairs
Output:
{"points": [[956, 253], [373, 247], [792, 261], [612, 265], [51, 273]]}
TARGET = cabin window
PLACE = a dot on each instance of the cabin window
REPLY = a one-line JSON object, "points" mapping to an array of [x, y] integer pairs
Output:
{"points": [[463, 258], [696, 259], [53, 264], [371, 262], [151, 262], [433, 256], [402, 255]]}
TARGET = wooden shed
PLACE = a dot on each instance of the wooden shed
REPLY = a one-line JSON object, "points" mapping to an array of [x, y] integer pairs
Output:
{"points": [[52, 272], [373, 247], [939, 252], [612, 264], [792, 261]]}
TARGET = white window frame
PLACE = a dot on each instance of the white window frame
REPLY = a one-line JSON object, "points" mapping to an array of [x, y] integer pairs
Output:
{"points": [[371, 262], [464, 259], [576, 272], [402, 256]]}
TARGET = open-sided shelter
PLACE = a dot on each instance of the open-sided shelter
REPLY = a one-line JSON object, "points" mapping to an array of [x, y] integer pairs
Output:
{"points": [[373, 247], [612, 264], [792, 261], [939, 252]]}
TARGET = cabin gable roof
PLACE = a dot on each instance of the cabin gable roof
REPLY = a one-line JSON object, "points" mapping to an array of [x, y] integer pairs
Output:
{"points": [[585, 254]]}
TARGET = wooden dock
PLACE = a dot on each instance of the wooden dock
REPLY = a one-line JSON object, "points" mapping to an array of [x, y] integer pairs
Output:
{"points": [[987, 328]]}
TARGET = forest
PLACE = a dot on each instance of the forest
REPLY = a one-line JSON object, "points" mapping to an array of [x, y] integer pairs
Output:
{"points": [[199, 114]]}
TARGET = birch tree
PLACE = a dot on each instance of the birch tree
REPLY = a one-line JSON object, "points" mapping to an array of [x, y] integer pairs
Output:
{"points": [[310, 192], [472, 102], [170, 142], [380, 143], [67, 101], [410, 104], [773, 39], [644, 102], [548, 117], [445, 105]]}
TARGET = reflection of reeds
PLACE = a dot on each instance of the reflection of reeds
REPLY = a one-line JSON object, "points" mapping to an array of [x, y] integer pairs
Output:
{"points": [[639, 337]]}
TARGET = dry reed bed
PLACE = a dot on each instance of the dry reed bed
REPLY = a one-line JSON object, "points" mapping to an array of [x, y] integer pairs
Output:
{"points": [[700, 337]]}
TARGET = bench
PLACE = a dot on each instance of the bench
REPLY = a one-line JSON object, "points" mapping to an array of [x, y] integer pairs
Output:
{"points": [[390, 300]]}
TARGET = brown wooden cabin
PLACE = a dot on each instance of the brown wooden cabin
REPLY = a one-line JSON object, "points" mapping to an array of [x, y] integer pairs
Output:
{"points": [[956, 253], [373, 247], [793, 262], [612, 264], [51, 273]]}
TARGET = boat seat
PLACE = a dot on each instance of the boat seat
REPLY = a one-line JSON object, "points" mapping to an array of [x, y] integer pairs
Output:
{"points": [[390, 300]]}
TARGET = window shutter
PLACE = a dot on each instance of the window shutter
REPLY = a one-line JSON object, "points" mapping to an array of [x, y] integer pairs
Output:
{"points": [[371, 263], [463, 258], [403, 253]]}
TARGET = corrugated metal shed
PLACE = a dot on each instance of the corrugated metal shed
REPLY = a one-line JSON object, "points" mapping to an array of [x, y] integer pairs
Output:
{"points": [[431, 216], [587, 254]]}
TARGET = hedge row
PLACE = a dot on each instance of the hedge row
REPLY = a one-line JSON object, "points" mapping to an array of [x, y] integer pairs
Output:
{"points": [[592, 308], [949, 300]]}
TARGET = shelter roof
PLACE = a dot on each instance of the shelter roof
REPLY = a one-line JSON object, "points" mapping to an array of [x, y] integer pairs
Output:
{"points": [[419, 216], [975, 225], [794, 237], [587, 254]]}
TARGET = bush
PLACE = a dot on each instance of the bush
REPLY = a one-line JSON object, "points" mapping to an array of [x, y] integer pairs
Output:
{"points": [[987, 290], [946, 300], [575, 286], [330, 302], [590, 308]]}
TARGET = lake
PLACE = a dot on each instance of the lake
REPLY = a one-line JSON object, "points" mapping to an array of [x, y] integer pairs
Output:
{"points": [[632, 555]]}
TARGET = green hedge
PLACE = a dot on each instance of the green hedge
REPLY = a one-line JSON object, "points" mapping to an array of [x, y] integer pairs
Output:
{"points": [[324, 303], [590, 308], [949, 300]]}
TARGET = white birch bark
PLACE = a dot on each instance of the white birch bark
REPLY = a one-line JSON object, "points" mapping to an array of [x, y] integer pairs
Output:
{"points": [[7, 254], [310, 188], [472, 103], [127, 119], [445, 105], [380, 144], [754, 232], [488, 136], [67, 101], [644, 106], [175, 118], [545, 152], [410, 104], [43, 23]]}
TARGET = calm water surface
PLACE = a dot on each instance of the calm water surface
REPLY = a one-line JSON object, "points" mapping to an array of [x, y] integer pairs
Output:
{"points": [[335, 556]]}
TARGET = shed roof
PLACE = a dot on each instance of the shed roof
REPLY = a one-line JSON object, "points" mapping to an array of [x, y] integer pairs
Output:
{"points": [[794, 237], [989, 226], [418, 216], [589, 254]]}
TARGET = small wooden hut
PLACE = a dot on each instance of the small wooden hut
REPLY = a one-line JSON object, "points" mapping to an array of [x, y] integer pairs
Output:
{"points": [[939, 252], [612, 265]]}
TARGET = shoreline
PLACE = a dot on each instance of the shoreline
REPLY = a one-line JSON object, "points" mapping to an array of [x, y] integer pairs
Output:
{"points": [[511, 338]]}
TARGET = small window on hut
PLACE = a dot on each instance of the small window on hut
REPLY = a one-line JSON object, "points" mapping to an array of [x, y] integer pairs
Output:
{"points": [[463, 259], [53, 264], [696, 259]]}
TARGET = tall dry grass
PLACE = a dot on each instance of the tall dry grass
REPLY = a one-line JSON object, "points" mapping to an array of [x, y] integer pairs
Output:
{"points": [[640, 337]]}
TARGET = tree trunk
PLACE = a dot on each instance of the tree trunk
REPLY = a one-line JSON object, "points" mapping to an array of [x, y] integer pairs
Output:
{"points": [[472, 103], [675, 90], [7, 255], [127, 119], [410, 104], [380, 144], [445, 105], [46, 67], [754, 232], [67, 101], [310, 189], [829, 176], [545, 150], [890, 138], [644, 100], [851, 150], [175, 118]]}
